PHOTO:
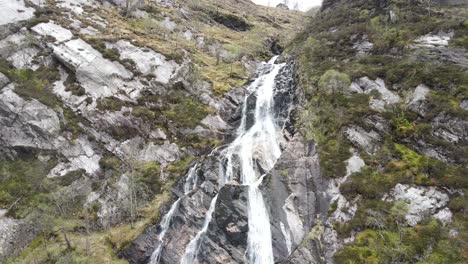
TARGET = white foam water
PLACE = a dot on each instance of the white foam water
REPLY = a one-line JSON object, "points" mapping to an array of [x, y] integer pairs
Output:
{"points": [[189, 185], [193, 246], [257, 144], [165, 223]]}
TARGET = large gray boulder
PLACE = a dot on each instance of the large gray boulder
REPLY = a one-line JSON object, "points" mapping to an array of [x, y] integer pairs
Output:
{"points": [[147, 61], [26, 123], [422, 202], [13, 16]]}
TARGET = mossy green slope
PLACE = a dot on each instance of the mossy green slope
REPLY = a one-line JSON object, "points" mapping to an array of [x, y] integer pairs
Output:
{"points": [[328, 62]]}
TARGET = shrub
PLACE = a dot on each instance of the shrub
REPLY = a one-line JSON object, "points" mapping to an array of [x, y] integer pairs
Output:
{"points": [[402, 128], [149, 174], [185, 111], [33, 84], [333, 81], [23, 184], [110, 163], [110, 104]]}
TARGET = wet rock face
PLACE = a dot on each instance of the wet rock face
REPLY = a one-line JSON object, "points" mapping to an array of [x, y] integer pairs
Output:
{"points": [[274, 46], [226, 238], [286, 97], [296, 193], [231, 214]]}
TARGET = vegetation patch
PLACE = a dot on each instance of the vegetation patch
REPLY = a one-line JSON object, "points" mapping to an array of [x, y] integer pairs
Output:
{"points": [[33, 84], [24, 185]]}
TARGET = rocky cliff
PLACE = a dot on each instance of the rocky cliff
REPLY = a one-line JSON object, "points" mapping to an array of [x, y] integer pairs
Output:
{"points": [[378, 77], [105, 105], [117, 120]]}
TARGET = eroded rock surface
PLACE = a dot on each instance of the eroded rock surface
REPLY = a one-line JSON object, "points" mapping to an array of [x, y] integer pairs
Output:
{"points": [[423, 201], [26, 123]]}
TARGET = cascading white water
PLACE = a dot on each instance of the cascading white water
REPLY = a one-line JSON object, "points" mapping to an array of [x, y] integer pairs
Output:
{"points": [[190, 184], [192, 248], [191, 181], [165, 223], [257, 144]]}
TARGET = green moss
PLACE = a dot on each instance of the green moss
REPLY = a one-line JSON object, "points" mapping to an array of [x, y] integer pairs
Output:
{"points": [[405, 245], [110, 163], [284, 172], [71, 122], [149, 174], [428, 171], [333, 155], [143, 112], [185, 111], [314, 234], [177, 168], [460, 38], [458, 204], [442, 102], [99, 45], [333, 206], [324, 118], [402, 127], [205, 144], [401, 165]]}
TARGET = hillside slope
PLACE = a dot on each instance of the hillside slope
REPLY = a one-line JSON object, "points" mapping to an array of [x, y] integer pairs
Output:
{"points": [[150, 131], [104, 105], [385, 99]]}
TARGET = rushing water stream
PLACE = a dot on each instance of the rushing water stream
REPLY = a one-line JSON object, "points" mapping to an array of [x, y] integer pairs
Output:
{"points": [[256, 145], [192, 248], [190, 184]]}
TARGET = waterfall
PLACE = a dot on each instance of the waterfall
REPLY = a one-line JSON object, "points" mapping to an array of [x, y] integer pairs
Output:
{"points": [[165, 223], [189, 185], [257, 144], [191, 181], [192, 248]]}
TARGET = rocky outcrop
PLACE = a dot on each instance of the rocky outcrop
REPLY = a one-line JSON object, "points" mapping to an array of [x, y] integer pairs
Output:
{"points": [[363, 139], [435, 47], [296, 186], [422, 202], [26, 123], [450, 129], [12, 14], [226, 237], [147, 61], [14, 234], [416, 101], [386, 98]]}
